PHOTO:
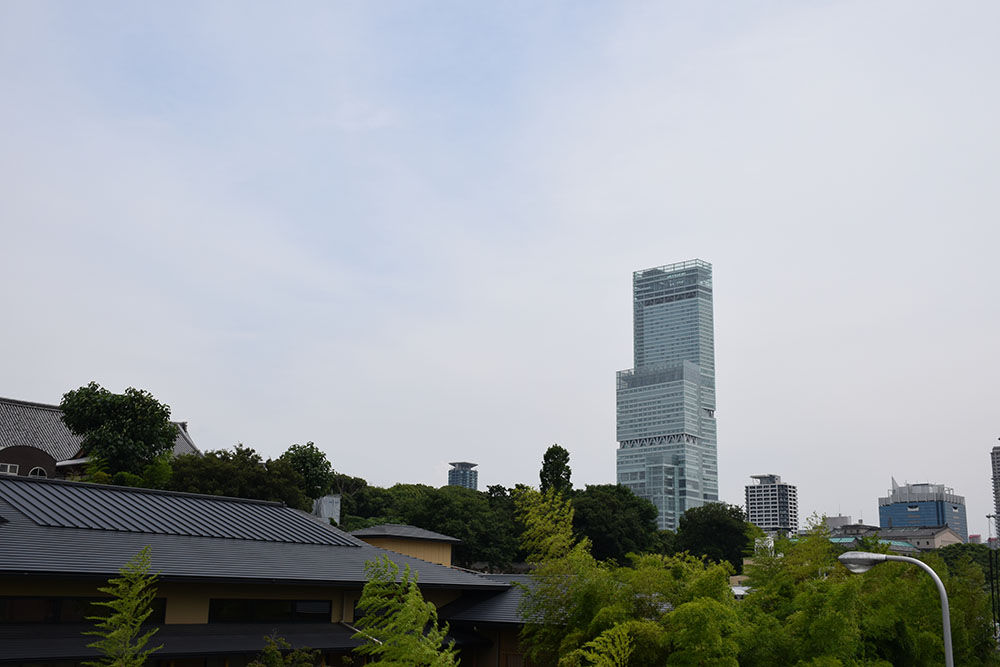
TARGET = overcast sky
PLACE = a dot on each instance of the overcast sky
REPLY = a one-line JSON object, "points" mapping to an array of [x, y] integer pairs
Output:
{"points": [[406, 231]]}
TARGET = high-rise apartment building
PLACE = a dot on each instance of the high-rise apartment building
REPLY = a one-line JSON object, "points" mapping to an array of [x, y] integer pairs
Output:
{"points": [[666, 403], [462, 474], [923, 505], [995, 465], [773, 505]]}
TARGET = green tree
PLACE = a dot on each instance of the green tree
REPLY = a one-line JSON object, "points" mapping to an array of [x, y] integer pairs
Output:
{"points": [[717, 531], [548, 524], [240, 473], [616, 521], [555, 472], [128, 431], [399, 626], [311, 463], [132, 592], [278, 653]]}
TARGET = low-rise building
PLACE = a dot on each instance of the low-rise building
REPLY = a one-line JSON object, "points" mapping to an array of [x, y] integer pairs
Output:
{"points": [[231, 571], [34, 441], [915, 505]]}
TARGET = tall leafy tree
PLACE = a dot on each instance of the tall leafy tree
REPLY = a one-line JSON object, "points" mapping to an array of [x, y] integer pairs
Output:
{"points": [[555, 472], [311, 463], [240, 473], [399, 627], [127, 431], [717, 531], [616, 521], [122, 642]]}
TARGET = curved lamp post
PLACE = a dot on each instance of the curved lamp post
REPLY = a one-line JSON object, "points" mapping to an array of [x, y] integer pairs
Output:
{"points": [[862, 561]]}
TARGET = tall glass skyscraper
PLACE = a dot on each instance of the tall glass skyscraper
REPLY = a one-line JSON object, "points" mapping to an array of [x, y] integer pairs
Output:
{"points": [[667, 449]]}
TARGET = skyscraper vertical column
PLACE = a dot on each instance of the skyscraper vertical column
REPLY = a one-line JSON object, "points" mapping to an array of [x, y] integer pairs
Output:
{"points": [[666, 430]]}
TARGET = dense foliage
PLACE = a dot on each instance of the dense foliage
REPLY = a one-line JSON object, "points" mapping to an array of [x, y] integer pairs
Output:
{"points": [[126, 432], [278, 653], [616, 521], [122, 642], [804, 607], [397, 626], [717, 531], [240, 473], [311, 463]]}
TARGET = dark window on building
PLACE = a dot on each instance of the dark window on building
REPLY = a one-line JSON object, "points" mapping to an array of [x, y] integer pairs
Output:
{"points": [[8, 468], [269, 611], [63, 609], [37, 472]]}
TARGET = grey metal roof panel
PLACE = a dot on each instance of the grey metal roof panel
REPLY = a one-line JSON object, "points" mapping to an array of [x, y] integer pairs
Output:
{"points": [[28, 547], [60, 504], [403, 531], [501, 608], [40, 425]]}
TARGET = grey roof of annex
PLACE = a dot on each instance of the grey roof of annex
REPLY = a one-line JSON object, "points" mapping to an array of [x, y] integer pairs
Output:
{"points": [[74, 529], [403, 532]]}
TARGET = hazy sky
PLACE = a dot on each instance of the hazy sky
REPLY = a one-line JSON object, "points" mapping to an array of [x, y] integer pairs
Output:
{"points": [[406, 230]]}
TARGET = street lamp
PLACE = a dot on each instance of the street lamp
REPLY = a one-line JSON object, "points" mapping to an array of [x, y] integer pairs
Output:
{"points": [[862, 561]]}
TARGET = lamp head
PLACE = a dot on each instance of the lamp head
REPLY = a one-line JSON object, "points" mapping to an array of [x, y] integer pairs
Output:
{"points": [[860, 561]]}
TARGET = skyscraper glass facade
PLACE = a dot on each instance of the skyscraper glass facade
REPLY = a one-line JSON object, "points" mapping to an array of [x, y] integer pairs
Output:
{"points": [[666, 404]]}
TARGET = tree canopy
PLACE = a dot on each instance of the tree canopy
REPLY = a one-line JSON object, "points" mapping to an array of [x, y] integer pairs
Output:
{"points": [[240, 473], [717, 531], [127, 432], [616, 521], [804, 608], [311, 463], [555, 472], [397, 625]]}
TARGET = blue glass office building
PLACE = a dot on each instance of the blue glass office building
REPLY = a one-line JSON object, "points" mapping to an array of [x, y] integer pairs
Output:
{"points": [[923, 505], [666, 404]]}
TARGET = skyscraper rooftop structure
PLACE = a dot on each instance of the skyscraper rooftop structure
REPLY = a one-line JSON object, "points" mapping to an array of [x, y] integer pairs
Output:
{"points": [[666, 404], [462, 474], [772, 505], [923, 505]]}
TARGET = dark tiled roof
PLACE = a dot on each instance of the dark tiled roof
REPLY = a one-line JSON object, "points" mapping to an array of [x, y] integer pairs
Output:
{"points": [[60, 504], [403, 532], [490, 608], [51, 642], [38, 425], [54, 546]]}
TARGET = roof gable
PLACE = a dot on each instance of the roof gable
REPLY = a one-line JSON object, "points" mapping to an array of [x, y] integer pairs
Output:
{"points": [[40, 425], [59, 504]]}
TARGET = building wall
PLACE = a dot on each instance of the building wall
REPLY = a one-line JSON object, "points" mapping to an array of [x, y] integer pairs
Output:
{"points": [[995, 465], [464, 477], [925, 513], [186, 602], [27, 458], [773, 506], [434, 552]]}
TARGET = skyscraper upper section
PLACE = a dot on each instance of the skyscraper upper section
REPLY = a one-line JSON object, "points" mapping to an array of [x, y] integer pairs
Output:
{"points": [[666, 403]]}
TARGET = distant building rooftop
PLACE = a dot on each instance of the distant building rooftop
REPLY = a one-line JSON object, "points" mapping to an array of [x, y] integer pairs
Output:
{"points": [[403, 532]]}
